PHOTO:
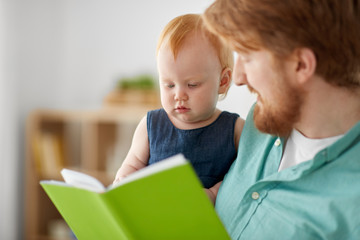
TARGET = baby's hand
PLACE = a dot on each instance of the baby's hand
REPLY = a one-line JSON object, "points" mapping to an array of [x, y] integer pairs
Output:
{"points": [[116, 180], [118, 177], [211, 195], [213, 191]]}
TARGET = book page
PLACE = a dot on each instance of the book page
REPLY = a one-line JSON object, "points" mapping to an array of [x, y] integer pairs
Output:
{"points": [[87, 182], [168, 163], [82, 180]]}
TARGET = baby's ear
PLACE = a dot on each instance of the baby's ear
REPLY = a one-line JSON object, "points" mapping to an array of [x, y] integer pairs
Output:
{"points": [[225, 80]]}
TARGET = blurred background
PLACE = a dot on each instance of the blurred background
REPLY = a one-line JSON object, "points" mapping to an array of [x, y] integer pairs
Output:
{"points": [[61, 62]]}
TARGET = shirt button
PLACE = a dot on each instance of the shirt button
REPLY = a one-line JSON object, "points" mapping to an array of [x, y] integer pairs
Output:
{"points": [[255, 195], [277, 142]]}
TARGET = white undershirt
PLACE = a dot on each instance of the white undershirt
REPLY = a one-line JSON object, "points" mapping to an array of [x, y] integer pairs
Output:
{"points": [[300, 149]]}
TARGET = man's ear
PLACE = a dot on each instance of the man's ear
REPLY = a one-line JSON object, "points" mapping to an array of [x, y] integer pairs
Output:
{"points": [[305, 64], [225, 80]]}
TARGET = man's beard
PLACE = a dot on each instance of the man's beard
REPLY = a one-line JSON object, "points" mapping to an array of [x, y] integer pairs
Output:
{"points": [[278, 118]]}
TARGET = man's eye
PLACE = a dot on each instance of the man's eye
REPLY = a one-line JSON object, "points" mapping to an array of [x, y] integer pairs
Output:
{"points": [[244, 58]]}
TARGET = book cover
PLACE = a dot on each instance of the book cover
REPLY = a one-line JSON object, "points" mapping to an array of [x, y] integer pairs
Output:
{"points": [[163, 201]]}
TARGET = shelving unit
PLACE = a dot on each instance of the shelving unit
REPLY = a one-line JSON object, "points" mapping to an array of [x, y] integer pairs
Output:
{"points": [[94, 142]]}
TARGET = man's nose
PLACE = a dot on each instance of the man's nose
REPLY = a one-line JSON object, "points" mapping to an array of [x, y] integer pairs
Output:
{"points": [[239, 75]]}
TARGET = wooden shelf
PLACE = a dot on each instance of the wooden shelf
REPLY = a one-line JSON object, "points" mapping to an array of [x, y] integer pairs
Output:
{"points": [[94, 142]]}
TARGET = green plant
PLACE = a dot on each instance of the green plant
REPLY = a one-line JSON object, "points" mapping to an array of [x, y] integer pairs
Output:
{"points": [[144, 81]]}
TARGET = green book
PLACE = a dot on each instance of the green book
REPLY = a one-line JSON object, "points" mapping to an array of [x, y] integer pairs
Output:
{"points": [[162, 201]]}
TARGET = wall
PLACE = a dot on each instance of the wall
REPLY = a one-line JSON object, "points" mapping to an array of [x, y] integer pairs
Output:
{"points": [[9, 164], [68, 54], [72, 52]]}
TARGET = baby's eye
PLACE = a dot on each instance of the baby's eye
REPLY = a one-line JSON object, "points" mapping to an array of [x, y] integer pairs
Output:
{"points": [[193, 85], [170, 85]]}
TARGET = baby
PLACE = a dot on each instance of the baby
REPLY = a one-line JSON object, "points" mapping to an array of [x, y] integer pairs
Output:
{"points": [[194, 69]]}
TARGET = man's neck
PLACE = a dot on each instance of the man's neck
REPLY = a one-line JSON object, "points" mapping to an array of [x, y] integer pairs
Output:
{"points": [[328, 110]]}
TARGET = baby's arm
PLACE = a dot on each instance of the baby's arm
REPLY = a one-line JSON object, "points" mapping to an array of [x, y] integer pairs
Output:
{"points": [[212, 192], [138, 155], [239, 124]]}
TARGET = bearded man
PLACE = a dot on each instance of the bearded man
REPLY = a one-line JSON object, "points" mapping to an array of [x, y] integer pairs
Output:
{"points": [[297, 174]]}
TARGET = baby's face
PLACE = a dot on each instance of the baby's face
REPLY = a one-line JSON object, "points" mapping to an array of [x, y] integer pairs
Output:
{"points": [[189, 84]]}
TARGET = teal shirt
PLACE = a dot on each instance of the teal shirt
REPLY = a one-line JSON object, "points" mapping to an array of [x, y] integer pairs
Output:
{"points": [[317, 199]]}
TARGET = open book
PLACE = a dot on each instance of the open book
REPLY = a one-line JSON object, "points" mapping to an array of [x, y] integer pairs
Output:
{"points": [[162, 201]]}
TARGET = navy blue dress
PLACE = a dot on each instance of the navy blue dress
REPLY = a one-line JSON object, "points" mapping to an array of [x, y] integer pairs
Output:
{"points": [[210, 149]]}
